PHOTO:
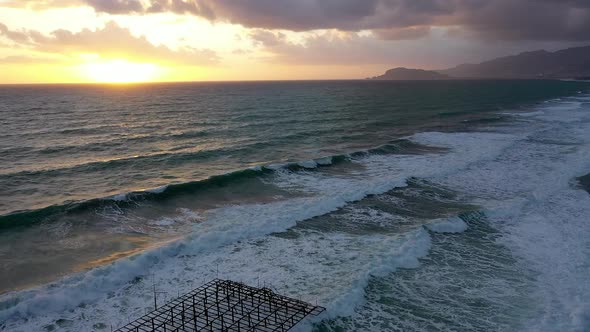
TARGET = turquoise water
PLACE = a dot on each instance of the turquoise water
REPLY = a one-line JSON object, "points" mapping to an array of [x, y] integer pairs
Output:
{"points": [[398, 205]]}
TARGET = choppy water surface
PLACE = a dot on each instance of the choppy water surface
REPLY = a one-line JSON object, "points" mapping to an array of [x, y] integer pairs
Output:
{"points": [[400, 206]]}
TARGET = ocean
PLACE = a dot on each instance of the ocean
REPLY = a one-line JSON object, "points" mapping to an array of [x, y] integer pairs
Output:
{"points": [[399, 206]]}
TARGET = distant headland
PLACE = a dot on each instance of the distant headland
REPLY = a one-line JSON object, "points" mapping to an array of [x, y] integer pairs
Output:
{"points": [[403, 74], [571, 63]]}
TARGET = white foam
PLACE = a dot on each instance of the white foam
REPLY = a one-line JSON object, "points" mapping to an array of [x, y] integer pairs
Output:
{"points": [[117, 197], [124, 196], [564, 111], [362, 216], [158, 190], [552, 236], [381, 173], [526, 114], [276, 166], [324, 161], [186, 216], [564, 106], [334, 267], [224, 226], [529, 196], [231, 224], [308, 164], [451, 225], [404, 254]]}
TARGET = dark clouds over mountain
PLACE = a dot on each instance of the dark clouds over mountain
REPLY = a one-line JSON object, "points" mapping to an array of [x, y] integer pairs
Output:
{"points": [[559, 20]]}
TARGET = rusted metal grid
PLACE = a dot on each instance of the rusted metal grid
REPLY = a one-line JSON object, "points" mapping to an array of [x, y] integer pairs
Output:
{"points": [[225, 305]]}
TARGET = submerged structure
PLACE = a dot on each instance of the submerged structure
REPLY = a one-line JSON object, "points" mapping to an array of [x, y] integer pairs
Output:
{"points": [[225, 305]]}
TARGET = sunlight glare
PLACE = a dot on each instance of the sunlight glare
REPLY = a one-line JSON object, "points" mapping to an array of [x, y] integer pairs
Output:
{"points": [[120, 71]]}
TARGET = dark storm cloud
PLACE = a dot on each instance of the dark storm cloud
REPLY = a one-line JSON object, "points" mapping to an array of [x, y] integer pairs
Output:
{"points": [[403, 33], [530, 20], [391, 19], [199, 8], [194, 7], [341, 48], [116, 6]]}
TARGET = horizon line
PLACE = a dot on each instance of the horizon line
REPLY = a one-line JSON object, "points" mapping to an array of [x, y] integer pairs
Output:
{"points": [[181, 82], [285, 80]]}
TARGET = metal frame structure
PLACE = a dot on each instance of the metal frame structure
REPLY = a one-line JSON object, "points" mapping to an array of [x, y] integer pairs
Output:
{"points": [[225, 305]]}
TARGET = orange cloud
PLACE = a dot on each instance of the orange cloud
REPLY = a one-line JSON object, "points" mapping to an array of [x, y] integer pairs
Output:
{"points": [[111, 41]]}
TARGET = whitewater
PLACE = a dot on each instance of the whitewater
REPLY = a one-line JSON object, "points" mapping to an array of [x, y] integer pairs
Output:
{"points": [[484, 229]]}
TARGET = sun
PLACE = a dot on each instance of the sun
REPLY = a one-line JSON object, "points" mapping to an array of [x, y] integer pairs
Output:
{"points": [[120, 71]]}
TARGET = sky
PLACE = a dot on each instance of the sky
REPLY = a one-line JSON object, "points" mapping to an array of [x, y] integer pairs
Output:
{"points": [[68, 41]]}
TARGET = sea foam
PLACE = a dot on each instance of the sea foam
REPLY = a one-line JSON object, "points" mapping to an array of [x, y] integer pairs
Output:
{"points": [[236, 238]]}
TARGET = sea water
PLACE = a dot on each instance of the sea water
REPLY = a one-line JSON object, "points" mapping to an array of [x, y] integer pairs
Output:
{"points": [[399, 206]]}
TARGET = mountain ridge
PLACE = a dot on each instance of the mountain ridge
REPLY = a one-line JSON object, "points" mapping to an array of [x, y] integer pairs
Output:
{"points": [[566, 63], [569, 63]]}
